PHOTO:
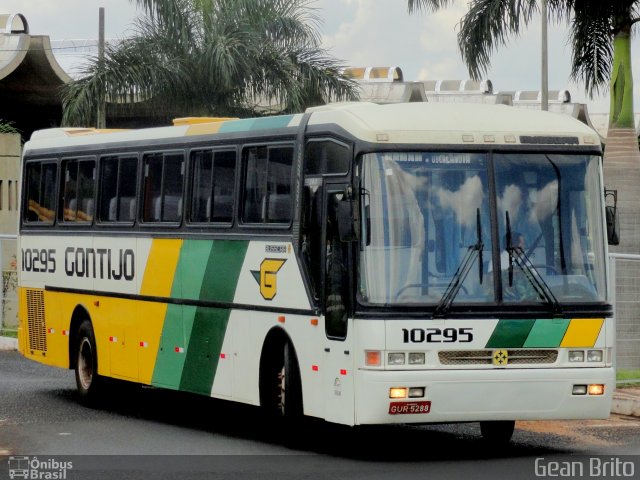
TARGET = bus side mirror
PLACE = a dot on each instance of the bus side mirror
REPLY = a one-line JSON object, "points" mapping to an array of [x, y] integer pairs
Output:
{"points": [[613, 225], [347, 221], [348, 218], [612, 218]]}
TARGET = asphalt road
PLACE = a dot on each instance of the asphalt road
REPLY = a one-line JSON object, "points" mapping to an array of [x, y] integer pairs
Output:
{"points": [[149, 433]]}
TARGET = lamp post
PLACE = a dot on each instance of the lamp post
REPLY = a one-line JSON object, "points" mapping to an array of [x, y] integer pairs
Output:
{"points": [[101, 113], [544, 89]]}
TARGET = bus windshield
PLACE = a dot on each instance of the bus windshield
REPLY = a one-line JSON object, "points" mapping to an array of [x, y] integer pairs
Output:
{"points": [[427, 236]]}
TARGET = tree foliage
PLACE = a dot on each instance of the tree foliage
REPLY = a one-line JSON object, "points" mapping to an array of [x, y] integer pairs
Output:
{"points": [[213, 57], [594, 24]]}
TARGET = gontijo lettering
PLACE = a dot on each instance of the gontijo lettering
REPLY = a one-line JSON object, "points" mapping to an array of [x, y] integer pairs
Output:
{"points": [[102, 263]]}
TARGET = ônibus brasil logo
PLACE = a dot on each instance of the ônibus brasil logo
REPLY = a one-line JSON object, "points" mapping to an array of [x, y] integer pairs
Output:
{"points": [[36, 469]]}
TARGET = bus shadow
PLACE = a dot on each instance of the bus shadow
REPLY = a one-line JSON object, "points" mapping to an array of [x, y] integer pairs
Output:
{"points": [[392, 443]]}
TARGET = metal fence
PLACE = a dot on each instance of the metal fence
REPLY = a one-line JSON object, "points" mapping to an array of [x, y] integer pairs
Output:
{"points": [[624, 280]]}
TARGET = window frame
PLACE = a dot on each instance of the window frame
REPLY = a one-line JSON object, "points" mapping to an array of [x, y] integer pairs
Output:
{"points": [[142, 190], [25, 198], [62, 182], [191, 183], [100, 194], [242, 184], [323, 173]]}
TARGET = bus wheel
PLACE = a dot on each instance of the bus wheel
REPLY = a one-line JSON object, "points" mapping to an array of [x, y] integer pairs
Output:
{"points": [[290, 387], [87, 379], [282, 394], [497, 432]]}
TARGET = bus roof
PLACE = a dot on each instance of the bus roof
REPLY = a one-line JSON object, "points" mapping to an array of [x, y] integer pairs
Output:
{"points": [[412, 123], [453, 123]]}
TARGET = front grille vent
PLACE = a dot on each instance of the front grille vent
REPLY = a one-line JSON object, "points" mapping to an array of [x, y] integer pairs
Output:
{"points": [[36, 321], [485, 357]]}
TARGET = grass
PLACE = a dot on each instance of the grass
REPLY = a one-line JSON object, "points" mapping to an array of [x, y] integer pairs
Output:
{"points": [[628, 375], [8, 332]]}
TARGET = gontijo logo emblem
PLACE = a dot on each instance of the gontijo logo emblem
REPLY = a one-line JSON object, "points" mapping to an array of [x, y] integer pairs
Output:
{"points": [[266, 276]]}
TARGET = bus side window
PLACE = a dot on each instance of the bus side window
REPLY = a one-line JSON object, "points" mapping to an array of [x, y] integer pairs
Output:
{"points": [[163, 185], [78, 190], [267, 184], [224, 183], [213, 181], [326, 157], [117, 197], [336, 275], [41, 185], [312, 232]]}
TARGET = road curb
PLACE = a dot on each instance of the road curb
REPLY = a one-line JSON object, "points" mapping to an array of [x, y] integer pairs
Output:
{"points": [[626, 402], [8, 343]]}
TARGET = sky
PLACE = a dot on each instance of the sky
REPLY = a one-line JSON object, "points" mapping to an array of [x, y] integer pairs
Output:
{"points": [[363, 33]]}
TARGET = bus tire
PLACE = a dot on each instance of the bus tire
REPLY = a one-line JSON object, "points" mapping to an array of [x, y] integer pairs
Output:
{"points": [[281, 395], [292, 408], [88, 381], [497, 432]]}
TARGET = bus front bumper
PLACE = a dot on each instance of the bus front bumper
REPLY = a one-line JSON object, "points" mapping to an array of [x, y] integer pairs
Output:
{"points": [[465, 396]]}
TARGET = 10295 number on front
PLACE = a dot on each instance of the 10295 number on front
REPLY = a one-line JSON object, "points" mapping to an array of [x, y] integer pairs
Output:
{"points": [[437, 335]]}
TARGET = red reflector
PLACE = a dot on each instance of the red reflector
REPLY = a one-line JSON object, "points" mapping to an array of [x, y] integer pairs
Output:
{"points": [[314, 368], [343, 372], [222, 355], [281, 319], [144, 344], [179, 350]]}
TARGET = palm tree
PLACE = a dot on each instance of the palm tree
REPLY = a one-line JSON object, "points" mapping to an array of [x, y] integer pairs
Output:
{"points": [[212, 57], [600, 35]]}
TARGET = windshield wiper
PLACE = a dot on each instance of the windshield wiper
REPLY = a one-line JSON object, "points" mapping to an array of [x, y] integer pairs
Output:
{"points": [[473, 251], [518, 256]]}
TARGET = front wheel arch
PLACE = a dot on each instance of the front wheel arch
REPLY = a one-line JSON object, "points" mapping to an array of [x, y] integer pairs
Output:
{"points": [[80, 314], [279, 358]]}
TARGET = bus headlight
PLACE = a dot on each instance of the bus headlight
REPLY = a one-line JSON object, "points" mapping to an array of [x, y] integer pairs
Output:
{"points": [[596, 389], [576, 355], [398, 392], [579, 390], [416, 392], [416, 358], [594, 356], [396, 359]]}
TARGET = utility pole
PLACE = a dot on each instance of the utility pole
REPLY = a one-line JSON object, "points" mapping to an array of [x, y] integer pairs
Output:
{"points": [[101, 110], [545, 60]]}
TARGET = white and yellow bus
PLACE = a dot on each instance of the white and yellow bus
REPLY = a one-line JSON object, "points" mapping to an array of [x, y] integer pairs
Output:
{"points": [[358, 263]]}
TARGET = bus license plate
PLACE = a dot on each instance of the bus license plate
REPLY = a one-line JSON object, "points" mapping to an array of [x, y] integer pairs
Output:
{"points": [[400, 408]]}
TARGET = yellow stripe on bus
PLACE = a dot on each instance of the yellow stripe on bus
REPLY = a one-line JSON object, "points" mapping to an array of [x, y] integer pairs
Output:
{"points": [[161, 268], [157, 282], [582, 332], [204, 128]]}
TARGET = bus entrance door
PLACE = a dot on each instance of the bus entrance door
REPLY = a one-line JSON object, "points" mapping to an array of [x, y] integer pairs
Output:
{"points": [[339, 362]]}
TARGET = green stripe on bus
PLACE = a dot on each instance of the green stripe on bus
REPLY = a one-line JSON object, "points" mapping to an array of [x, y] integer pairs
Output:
{"points": [[169, 363], [223, 270], [210, 324], [179, 320], [547, 333], [510, 334]]}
